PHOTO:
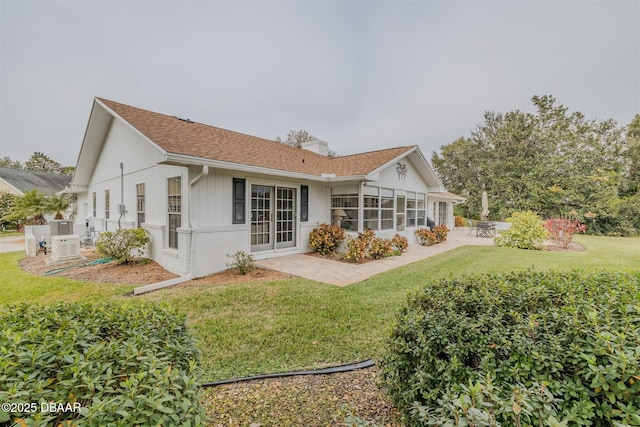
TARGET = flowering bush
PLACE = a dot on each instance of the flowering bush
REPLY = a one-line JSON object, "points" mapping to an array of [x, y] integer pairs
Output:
{"points": [[561, 230], [400, 243], [458, 221], [440, 232], [325, 238], [426, 236]]}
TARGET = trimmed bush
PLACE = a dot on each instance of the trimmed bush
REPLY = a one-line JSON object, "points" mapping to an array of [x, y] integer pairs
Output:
{"points": [[325, 238], [122, 245], [400, 243], [526, 232], [358, 248], [380, 248], [441, 232], [426, 236], [121, 364], [526, 348]]}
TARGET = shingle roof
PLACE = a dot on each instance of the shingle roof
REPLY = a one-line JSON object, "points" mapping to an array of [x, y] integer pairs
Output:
{"points": [[27, 180], [178, 136]]}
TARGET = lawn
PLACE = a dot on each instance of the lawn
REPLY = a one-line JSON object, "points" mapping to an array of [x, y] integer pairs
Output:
{"points": [[264, 327]]}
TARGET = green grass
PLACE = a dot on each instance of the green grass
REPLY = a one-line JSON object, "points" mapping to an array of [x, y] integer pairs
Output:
{"points": [[264, 327], [11, 233]]}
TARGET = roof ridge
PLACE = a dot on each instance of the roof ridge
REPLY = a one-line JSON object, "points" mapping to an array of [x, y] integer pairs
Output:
{"points": [[375, 151]]}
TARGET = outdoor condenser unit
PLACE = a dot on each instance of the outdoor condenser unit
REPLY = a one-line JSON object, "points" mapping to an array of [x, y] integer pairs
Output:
{"points": [[60, 227], [65, 246]]}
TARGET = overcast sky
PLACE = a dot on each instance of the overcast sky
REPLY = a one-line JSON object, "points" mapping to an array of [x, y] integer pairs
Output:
{"points": [[360, 75]]}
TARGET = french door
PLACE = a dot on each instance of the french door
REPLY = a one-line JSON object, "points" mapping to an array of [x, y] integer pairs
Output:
{"points": [[273, 217]]}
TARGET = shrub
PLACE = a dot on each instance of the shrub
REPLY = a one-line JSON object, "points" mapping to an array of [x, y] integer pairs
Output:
{"points": [[526, 232], [561, 230], [380, 248], [130, 364], [242, 262], [122, 245], [325, 239], [400, 243], [426, 236], [526, 348], [458, 221], [358, 248], [441, 232]]}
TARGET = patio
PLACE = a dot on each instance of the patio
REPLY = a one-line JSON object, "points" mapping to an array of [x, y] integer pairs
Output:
{"points": [[343, 274]]}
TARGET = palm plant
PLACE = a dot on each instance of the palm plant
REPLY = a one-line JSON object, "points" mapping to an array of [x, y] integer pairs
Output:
{"points": [[28, 208], [58, 204]]}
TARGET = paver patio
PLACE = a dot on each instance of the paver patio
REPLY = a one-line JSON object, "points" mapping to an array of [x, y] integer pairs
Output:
{"points": [[342, 273]]}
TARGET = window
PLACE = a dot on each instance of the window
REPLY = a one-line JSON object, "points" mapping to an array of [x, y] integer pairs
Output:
{"points": [[386, 209], [140, 204], [94, 205], [304, 203], [416, 209], [442, 212], [401, 213], [348, 203], [174, 203], [238, 201], [106, 204], [371, 210]]}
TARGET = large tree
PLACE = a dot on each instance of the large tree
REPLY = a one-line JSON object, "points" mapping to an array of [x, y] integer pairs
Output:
{"points": [[550, 161], [41, 162]]}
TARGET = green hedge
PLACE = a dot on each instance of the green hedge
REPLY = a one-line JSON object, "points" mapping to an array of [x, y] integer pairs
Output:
{"points": [[121, 364], [526, 348]]}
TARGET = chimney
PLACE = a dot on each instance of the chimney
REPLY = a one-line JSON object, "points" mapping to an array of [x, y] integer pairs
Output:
{"points": [[317, 146]]}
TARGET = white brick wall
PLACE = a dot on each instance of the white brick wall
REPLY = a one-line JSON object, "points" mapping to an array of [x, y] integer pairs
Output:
{"points": [[213, 244]]}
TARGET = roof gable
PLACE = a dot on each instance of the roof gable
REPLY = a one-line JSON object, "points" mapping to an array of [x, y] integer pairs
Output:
{"points": [[26, 180], [199, 141]]}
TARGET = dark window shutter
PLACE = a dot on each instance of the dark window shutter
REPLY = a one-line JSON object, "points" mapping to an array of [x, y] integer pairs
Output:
{"points": [[304, 203], [238, 201]]}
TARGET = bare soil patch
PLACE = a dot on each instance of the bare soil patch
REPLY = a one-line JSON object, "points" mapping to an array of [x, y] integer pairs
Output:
{"points": [[140, 272]]}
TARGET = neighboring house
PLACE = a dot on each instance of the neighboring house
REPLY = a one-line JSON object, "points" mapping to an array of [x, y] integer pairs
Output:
{"points": [[204, 193], [19, 181]]}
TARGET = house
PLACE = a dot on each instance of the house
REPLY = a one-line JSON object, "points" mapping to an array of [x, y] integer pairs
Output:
{"points": [[204, 193], [18, 181]]}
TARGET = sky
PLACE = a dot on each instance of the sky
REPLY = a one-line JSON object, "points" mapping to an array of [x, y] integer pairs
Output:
{"points": [[361, 75]]}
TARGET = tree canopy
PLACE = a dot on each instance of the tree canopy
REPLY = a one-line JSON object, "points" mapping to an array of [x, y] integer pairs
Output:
{"points": [[552, 162], [38, 162]]}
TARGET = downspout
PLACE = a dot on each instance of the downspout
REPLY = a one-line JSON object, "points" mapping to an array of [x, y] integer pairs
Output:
{"points": [[194, 181]]}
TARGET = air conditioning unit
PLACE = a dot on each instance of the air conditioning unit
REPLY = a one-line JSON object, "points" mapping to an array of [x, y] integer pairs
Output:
{"points": [[65, 247], [59, 227]]}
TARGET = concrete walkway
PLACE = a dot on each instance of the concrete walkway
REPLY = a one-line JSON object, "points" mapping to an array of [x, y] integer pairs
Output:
{"points": [[342, 273], [12, 244]]}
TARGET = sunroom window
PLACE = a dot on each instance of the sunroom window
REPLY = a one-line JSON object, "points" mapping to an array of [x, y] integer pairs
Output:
{"points": [[347, 200]]}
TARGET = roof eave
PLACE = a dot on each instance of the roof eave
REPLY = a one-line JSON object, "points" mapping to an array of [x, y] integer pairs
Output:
{"points": [[185, 160]]}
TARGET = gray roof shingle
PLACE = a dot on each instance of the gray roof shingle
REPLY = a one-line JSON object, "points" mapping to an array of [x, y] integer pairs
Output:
{"points": [[27, 180]]}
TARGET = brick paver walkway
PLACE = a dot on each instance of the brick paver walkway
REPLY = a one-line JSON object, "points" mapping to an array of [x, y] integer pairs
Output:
{"points": [[342, 274]]}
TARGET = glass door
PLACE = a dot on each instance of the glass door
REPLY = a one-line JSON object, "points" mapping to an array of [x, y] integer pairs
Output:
{"points": [[273, 217], [261, 218], [285, 217]]}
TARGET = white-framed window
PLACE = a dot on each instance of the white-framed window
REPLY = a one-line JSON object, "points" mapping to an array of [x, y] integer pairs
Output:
{"points": [[95, 205], [378, 208], [416, 209], [347, 200], [140, 204], [174, 205], [107, 201]]}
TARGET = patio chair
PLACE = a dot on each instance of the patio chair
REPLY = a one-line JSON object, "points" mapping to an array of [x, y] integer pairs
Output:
{"points": [[472, 228]]}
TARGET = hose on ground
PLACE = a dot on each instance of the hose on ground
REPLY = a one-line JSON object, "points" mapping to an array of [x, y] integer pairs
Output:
{"points": [[324, 371], [84, 264]]}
